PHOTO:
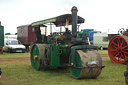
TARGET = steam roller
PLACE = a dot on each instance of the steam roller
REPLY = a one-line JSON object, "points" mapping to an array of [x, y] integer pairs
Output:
{"points": [[69, 48], [118, 47]]}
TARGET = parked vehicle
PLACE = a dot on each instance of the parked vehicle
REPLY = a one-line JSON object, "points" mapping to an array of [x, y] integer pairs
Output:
{"points": [[68, 48], [90, 33], [101, 40], [10, 36], [13, 45], [118, 47]]}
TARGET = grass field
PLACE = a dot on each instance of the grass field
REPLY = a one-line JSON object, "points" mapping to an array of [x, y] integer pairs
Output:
{"points": [[16, 68]]}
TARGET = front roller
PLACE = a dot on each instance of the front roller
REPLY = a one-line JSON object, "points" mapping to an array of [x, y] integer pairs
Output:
{"points": [[85, 64], [37, 56]]}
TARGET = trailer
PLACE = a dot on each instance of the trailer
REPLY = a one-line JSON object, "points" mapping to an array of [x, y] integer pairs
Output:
{"points": [[26, 34], [1, 38], [101, 40]]}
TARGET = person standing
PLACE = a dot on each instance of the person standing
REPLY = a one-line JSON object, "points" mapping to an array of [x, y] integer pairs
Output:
{"points": [[126, 75], [0, 73]]}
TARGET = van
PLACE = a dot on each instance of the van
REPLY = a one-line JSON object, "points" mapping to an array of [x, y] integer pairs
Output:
{"points": [[13, 45], [10, 36]]}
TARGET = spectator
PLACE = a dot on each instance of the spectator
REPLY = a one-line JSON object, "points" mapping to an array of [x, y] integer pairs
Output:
{"points": [[0, 73], [126, 75]]}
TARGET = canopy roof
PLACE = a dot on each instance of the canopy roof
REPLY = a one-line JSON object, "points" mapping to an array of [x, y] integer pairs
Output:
{"points": [[59, 20]]}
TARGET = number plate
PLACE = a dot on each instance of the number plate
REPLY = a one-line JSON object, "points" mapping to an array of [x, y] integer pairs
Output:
{"points": [[92, 63], [18, 50]]}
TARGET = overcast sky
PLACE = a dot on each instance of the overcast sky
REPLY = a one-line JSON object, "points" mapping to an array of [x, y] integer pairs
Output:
{"points": [[101, 15]]}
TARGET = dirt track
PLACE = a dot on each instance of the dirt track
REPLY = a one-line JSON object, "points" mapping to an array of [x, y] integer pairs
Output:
{"points": [[18, 59], [22, 59], [104, 55]]}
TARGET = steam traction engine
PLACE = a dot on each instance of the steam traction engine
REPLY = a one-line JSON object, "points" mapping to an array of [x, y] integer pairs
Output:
{"points": [[118, 47], [65, 49]]}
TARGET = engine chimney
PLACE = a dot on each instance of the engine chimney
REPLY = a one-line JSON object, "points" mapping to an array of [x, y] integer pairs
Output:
{"points": [[74, 20]]}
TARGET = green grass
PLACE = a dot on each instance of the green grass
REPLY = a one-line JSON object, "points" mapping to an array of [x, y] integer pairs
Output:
{"points": [[21, 73], [103, 51]]}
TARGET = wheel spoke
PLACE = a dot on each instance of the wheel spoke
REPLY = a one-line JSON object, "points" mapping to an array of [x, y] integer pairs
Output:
{"points": [[122, 43], [114, 43], [114, 46], [125, 52], [118, 42], [125, 56], [125, 49], [122, 56], [113, 49], [124, 46], [116, 55]]}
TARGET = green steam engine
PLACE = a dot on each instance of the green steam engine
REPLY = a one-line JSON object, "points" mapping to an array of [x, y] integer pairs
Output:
{"points": [[70, 48]]}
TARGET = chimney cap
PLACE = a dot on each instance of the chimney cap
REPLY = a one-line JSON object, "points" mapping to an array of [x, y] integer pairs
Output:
{"points": [[74, 9]]}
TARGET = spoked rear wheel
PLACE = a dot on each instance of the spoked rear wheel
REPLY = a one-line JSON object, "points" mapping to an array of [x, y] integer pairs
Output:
{"points": [[118, 49]]}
